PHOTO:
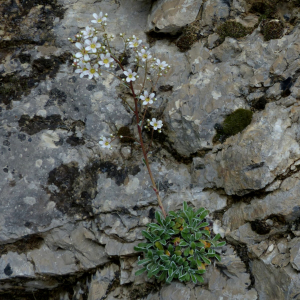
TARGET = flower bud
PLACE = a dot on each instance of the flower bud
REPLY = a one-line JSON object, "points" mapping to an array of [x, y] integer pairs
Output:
{"points": [[121, 136], [106, 15], [121, 34]]}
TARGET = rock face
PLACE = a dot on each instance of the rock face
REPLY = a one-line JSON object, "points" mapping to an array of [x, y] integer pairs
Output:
{"points": [[71, 212]]}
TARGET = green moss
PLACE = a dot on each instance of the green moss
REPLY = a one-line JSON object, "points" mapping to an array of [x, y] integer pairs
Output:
{"points": [[127, 136], [237, 121], [272, 29], [232, 29], [233, 124]]}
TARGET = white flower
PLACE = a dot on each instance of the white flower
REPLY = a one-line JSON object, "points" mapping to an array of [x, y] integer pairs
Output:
{"points": [[145, 55], [162, 65], [83, 54], [81, 69], [88, 32], [156, 124], [105, 60], [105, 143], [92, 45], [130, 75], [99, 18], [135, 42], [147, 98], [92, 71]]}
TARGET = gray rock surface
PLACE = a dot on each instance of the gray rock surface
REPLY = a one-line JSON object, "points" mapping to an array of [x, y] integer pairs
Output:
{"points": [[169, 16], [71, 212]]}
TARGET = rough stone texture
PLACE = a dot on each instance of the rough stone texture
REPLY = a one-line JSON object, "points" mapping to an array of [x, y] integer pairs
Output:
{"points": [[169, 16], [71, 212], [252, 159]]}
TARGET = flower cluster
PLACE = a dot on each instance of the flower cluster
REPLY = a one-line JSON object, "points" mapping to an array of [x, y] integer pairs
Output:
{"points": [[94, 56]]}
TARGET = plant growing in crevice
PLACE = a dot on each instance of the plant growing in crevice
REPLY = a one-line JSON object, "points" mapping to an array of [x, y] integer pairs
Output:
{"points": [[179, 246]]}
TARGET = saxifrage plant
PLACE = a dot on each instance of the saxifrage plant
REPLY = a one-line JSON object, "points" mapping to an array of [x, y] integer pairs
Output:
{"points": [[179, 246]]}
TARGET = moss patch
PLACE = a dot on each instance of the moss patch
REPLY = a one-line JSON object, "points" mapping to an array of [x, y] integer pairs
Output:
{"points": [[272, 29], [190, 35], [233, 124], [232, 29]]}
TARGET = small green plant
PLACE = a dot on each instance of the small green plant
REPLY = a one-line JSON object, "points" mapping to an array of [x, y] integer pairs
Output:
{"points": [[179, 246]]}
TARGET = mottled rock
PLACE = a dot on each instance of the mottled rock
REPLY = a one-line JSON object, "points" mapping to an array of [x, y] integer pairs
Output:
{"points": [[295, 256], [281, 260], [275, 283], [101, 281], [13, 265], [47, 262], [283, 201], [171, 15], [224, 167], [215, 11]]}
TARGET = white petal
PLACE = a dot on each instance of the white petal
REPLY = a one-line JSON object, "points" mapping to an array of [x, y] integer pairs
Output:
{"points": [[78, 45], [95, 16]]}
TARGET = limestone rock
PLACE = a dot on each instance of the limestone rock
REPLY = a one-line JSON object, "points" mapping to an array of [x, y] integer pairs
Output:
{"points": [[215, 11], [49, 263], [225, 168], [15, 265], [275, 283], [101, 281], [171, 15], [295, 256]]}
